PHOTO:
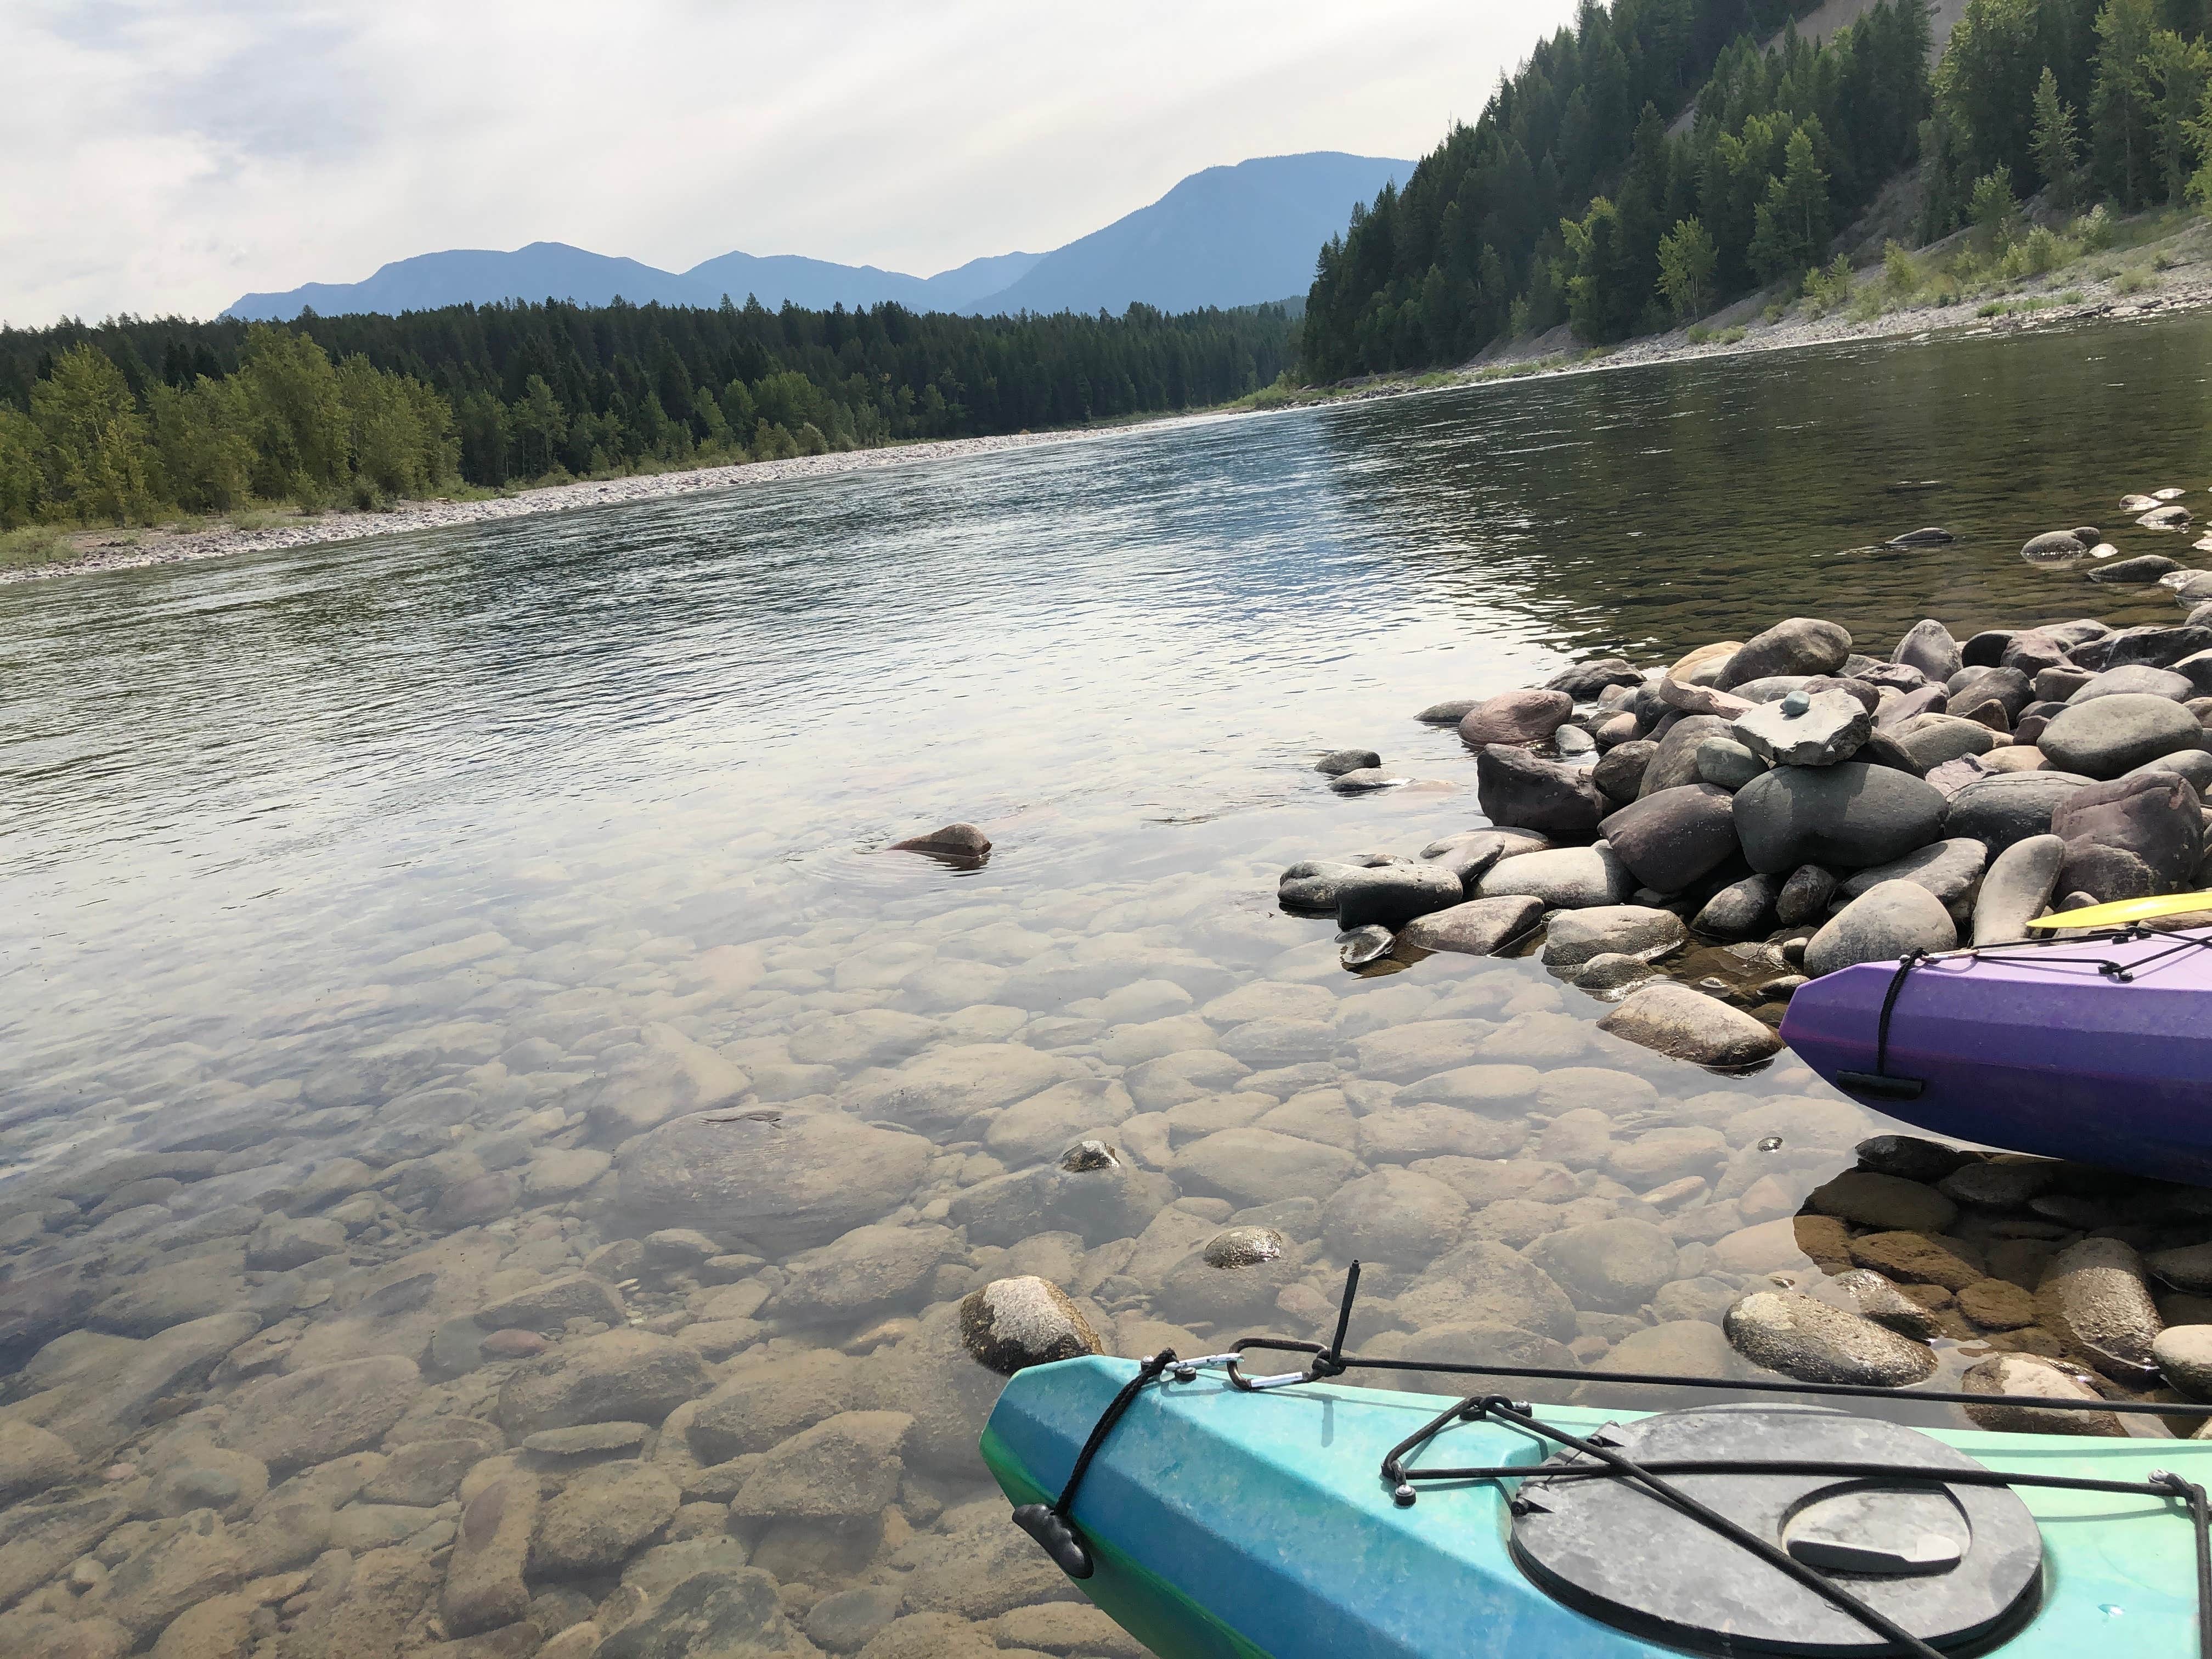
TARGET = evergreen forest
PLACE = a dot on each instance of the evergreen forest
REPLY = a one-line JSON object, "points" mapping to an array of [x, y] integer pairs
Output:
{"points": [[134, 420], [1655, 161]]}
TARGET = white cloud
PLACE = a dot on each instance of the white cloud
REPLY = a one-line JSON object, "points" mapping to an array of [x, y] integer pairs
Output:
{"points": [[164, 157]]}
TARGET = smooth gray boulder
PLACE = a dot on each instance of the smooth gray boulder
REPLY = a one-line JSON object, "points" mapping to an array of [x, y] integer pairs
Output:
{"points": [[1519, 791], [2013, 688], [2010, 807], [1565, 878], [1470, 852], [1619, 774], [1805, 895], [1476, 929], [1727, 764], [2133, 677], [2093, 1298], [1881, 925], [1586, 680], [1685, 1023], [1928, 741], [1928, 647], [1575, 936], [2194, 764], [2053, 547], [1797, 645], [2106, 737], [1948, 869], [1339, 762], [1516, 717], [1674, 762], [2143, 570], [787, 1179], [1394, 894], [1799, 731], [1739, 909], [2159, 645], [2017, 888], [1848, 815], [1670, 838], [2131, 838]]}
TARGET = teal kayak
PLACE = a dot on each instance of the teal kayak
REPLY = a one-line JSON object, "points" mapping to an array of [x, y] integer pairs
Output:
{"points": [[1224, 1524]]}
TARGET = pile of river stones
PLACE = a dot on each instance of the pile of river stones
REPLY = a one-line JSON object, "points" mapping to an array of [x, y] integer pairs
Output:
{"points": [[1698, 839]]}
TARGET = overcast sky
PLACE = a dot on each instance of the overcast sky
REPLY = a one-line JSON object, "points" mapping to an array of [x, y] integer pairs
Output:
{"points": [[169, 157]]}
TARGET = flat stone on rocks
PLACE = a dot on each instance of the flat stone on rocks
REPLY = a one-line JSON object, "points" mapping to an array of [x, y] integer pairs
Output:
{"points": [[787, 1179], [1888, 1203], [1798, 731]]}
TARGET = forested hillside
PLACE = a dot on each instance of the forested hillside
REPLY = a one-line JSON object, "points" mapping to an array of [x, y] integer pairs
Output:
{"points": [[123, 420], [1569, 200]]}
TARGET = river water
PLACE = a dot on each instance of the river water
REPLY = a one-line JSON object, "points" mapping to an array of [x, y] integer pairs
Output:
{"points": [[369, 897]]}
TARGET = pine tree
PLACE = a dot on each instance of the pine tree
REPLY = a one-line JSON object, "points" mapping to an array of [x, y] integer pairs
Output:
{"points": [[99, 450], [2121, 106], [2177, 69], [1793, 224], [2056, 150], [1687, 258]]}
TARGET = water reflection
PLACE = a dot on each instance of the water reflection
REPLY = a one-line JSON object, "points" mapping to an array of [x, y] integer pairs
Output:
{"points": [[367, 911]]}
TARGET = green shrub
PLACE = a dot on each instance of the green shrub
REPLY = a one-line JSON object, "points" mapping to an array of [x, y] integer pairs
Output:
{"points": [[1899, 275], [2094, 229]]}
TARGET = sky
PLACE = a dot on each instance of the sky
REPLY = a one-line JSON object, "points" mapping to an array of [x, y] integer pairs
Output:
{"points": [[168, 158]]}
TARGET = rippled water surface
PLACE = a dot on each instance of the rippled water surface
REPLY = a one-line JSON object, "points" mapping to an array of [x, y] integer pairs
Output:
{"points": [[361, 904]]}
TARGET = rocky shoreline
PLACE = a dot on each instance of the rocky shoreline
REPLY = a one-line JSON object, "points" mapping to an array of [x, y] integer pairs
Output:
{"points": [[133, 549], [1760, 811]]}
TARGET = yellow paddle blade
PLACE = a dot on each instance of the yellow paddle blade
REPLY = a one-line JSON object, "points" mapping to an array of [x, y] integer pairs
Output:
{"points": [[2123, 911]]}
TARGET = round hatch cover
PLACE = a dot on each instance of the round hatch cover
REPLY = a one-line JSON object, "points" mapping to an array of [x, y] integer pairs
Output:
{"points": [[1953, 1565]]}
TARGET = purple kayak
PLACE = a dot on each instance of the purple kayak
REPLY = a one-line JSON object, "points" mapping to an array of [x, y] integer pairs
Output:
{"points": [[2096, 1047]]}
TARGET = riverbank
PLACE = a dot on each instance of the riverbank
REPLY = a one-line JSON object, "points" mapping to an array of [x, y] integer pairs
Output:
{"points": [[113, 548], [2169, 270]]}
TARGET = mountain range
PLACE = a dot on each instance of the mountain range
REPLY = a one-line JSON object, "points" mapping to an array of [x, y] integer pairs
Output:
{"points": [[1227, 236]]}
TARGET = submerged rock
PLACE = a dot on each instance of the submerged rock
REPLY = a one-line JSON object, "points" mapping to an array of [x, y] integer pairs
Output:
{"points": [[2094, 1298], [1790, 1333], [2026, 1374], [1687, 1024], [1011, 1323], [956, 843]]}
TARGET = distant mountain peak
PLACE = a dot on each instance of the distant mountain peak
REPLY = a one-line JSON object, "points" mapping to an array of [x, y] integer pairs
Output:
{"points": [[1239, 233]]}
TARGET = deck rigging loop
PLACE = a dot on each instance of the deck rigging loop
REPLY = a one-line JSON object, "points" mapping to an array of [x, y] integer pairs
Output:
{"points": [[1055, 1528]]}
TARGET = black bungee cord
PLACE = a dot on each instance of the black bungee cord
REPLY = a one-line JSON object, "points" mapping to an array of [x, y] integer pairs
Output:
{"points": [[1053, 1526]]}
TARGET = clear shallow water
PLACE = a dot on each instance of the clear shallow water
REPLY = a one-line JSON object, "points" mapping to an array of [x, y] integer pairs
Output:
{"points": [[635, 767]]}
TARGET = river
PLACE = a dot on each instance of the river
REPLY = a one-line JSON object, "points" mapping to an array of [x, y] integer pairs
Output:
{"points": [[351, 892]]}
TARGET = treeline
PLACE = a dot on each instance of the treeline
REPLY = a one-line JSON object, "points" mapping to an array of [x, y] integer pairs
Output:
{"points": [[1621, 223], [1555, 202], [286, 424], [2080, 101], [525, 392]]}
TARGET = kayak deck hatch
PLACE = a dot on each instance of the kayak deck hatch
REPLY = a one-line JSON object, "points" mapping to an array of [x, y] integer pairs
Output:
{"points": [[1210, 1523]]}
